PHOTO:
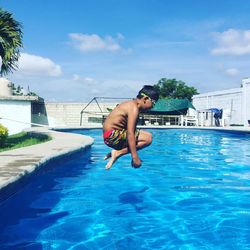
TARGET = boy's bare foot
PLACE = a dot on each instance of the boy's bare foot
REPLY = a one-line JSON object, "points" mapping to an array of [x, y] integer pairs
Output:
{"points": [[114, 155], [108, 155]]}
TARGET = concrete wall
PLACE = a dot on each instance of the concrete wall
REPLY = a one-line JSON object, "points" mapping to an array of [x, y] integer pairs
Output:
{"points": [[69, 114], [5, 87], [15, 110], [29, 110], [234, 102]]}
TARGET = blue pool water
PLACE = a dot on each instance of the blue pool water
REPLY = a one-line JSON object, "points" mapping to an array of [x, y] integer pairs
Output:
{"points": [[192, 192]]}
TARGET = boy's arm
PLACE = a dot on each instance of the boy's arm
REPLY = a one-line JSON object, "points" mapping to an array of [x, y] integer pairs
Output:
{"points": [[131, 125]]}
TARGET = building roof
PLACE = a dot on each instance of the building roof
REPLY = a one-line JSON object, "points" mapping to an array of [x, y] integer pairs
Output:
{"points": [[170, 106], [21, 98]]}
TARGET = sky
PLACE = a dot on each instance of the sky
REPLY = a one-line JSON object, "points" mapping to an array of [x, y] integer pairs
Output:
{"points": [[79, 49]]}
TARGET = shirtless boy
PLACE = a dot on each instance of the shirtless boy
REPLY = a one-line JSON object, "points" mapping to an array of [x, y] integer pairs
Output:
{"points": [[119, 128]]}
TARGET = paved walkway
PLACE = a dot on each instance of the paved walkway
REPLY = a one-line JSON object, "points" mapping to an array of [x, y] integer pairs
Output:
{"points": [[18, 163]]}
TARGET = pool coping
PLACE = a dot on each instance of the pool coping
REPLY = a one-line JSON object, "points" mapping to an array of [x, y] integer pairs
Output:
{"points": [[240, 129], [17, 164], [226, 129]]}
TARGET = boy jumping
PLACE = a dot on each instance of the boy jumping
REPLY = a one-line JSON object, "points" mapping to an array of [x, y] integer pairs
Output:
{"points": [[119, 128]]}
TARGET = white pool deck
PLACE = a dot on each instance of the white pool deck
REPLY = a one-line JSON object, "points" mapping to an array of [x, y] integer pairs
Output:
{"points": [[17, 164]]}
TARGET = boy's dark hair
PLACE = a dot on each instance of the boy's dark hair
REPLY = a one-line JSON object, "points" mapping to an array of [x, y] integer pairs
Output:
{"points": [[149, 91]]}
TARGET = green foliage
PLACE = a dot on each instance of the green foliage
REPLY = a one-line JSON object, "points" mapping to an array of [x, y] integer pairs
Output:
{"points": [[3, 135], [32, 94], [23, 139], [18, 91], [10, 42], [171, 88]]}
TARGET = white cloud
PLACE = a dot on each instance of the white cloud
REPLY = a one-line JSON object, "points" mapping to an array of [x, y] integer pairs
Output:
{"points": [[120, 36], [95, 91], [232, 72], [78, 78], [88, 79], [232, 42], [37, 66], [91, 43]]}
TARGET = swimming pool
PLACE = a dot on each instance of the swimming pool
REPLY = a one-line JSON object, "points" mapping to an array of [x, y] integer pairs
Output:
{"points": [[192, 192]]}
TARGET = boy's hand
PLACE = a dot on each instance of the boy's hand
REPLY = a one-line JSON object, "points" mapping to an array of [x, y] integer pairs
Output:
{"points": [[136, 162]]}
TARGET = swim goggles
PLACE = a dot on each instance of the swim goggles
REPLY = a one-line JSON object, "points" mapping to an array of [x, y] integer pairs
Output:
{"points": [[152, 100]]}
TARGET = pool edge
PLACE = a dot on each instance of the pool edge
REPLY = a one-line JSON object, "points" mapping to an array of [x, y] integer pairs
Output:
{"points": [[17, 165]]}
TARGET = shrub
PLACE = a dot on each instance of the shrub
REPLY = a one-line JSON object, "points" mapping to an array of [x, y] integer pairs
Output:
{"points": [[3, 135]]}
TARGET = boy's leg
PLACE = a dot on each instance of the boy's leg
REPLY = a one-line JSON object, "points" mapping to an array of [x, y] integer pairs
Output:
{"points": [[144, 140]]}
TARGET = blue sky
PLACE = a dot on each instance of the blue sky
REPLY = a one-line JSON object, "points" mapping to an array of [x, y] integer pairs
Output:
{"points": [[75, 50]]}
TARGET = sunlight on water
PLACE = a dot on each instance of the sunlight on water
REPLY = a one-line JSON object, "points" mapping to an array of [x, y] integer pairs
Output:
{"points": [[192, 192]]}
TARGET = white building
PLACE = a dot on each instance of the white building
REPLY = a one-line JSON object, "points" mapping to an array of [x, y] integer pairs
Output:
{"points": [[15, 111], [234, 102]]}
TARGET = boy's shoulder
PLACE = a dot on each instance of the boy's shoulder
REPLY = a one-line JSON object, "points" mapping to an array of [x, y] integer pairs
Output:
{"points": [[129, 104], [130, 107]]}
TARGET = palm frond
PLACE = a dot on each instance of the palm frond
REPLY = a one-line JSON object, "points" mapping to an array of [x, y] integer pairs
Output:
{"points": [[10, 42]]}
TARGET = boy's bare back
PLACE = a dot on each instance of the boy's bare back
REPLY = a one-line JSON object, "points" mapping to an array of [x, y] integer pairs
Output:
{"points": [[118, 118]]}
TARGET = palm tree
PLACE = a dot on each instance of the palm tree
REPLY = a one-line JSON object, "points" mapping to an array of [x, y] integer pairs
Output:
{"points": [[10, 42]]}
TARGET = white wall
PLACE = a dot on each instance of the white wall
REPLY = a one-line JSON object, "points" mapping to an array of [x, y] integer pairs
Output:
{"points": [[69, 114], [246, 100], [235, 102], [5, 87], [15, 110]]}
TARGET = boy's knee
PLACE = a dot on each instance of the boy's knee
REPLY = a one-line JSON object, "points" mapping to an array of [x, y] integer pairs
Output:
{"points": [[149, 138], [146, 138]]}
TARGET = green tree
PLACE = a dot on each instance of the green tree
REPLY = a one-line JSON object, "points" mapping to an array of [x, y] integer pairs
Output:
{"points": [[10, 42], [171, 88]]}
